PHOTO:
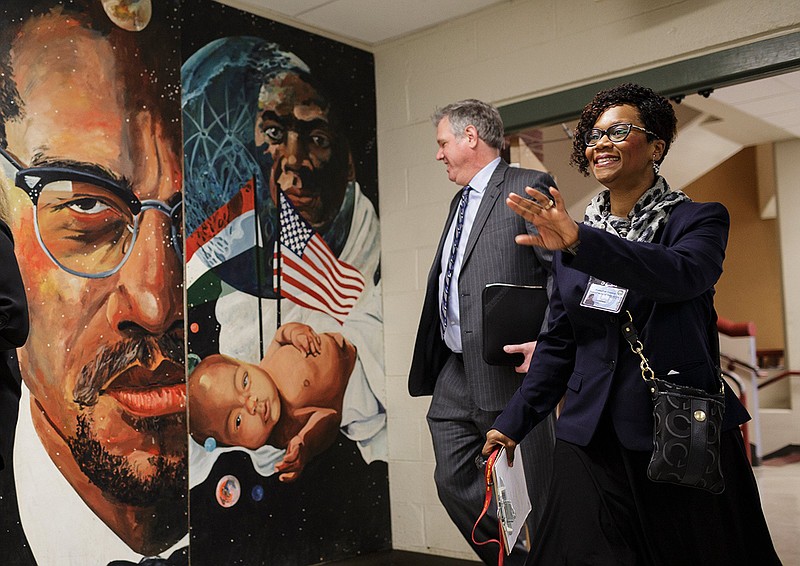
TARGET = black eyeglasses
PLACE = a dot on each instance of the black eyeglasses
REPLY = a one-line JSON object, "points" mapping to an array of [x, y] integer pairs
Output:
{"points": [[86, 223], [616, 134]]}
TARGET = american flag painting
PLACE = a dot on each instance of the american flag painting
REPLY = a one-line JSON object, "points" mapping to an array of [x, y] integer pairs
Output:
{"points": [[311, 275]]}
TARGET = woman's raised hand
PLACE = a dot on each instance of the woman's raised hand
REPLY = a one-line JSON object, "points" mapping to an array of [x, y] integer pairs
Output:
{"points": [[557, 230]]}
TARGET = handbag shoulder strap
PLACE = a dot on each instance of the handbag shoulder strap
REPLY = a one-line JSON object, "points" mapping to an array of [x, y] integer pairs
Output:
{"points": [[631, 336]]}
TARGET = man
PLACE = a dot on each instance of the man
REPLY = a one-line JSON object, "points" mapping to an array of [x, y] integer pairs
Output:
{"points": [[468, 393], [258, 121], [13, 332], [91, 116], [300, 134], [255, 117]]}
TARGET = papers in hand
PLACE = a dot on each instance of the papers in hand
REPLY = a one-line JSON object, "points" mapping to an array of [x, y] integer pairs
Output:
{"points": [[511, 496]]}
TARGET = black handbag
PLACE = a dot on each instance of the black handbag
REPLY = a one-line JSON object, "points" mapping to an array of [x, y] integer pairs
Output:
{"points": [[687, 424]]}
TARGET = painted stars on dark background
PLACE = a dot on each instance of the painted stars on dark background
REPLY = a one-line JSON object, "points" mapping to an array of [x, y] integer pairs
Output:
{"points": [[339, 506]]}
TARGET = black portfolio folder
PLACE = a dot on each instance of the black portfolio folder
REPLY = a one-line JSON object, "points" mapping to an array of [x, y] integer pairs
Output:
{"points": [[512, 314]]}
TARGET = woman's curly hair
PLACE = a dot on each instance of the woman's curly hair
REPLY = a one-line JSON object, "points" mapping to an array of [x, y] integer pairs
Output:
{"points": [[655, 111]]}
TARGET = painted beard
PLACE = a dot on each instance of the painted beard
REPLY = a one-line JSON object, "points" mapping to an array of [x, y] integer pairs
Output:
{"points": [[117, 478], [123, 365]]}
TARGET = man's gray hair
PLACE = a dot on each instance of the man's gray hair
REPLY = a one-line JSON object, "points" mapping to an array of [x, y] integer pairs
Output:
{"points": [[482, 115]]}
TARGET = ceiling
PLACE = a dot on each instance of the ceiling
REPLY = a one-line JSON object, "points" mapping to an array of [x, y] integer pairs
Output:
{"points": [[715, 128], [774, 101], [365, 21], [710, 131]]}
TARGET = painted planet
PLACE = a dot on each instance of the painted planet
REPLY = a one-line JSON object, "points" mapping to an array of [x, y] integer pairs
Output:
{"points": [[228, 491], [131, 15]]}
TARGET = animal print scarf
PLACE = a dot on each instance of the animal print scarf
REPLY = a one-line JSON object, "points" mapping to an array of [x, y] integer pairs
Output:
{"points": [[645, 218]]}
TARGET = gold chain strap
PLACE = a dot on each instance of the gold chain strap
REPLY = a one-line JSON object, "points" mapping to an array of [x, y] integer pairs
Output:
{"points": [[629, 331]]}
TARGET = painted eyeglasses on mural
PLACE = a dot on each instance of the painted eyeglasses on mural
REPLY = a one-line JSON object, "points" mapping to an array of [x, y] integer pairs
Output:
{"points": [[87, 221]]}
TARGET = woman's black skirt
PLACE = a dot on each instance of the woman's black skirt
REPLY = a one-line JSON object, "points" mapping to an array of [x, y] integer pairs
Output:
{"points": [[603, 510]]}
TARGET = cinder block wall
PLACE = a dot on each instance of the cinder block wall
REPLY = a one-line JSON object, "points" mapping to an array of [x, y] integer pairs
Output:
{"points": [[516, 50], [787, 174]]}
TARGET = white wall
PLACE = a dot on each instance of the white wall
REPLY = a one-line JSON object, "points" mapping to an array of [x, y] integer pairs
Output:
{"points": [[518, 50], [781, 427], [787, 181]]}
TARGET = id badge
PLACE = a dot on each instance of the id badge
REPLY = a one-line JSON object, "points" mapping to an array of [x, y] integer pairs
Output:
{"points": [[603, 296]]}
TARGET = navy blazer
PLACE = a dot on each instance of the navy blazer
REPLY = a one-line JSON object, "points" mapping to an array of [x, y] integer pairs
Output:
{"points": [[491, 256], [583, 354], [13, 333]]}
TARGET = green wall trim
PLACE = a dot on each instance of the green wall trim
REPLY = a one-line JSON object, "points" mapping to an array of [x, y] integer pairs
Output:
{"points": [[731, 66]]}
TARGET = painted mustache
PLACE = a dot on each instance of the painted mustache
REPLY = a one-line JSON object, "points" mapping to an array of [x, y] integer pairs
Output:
{"points": [[148, 352]]}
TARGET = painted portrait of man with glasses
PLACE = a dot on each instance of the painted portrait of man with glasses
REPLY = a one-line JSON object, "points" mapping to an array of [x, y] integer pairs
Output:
{"points": [[91, 151]]}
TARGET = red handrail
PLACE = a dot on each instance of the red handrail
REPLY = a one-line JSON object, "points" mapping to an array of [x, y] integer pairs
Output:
{"points": [[732, 362], [743, 399], [735, 329], [730, 328], [778, 377]]}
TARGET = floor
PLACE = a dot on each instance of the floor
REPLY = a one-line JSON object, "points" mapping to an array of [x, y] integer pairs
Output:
{"points": [[779, 482], [400, 558]]}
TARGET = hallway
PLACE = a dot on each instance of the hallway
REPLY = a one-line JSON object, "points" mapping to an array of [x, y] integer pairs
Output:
{"points": [[779, 483]]}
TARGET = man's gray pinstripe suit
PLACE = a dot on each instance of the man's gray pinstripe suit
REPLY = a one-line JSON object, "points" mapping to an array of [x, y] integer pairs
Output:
{"points": [[468, 394]]}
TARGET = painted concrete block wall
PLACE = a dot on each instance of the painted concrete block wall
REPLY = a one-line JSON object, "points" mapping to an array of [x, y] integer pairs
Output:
{"points": [[517, 50]]}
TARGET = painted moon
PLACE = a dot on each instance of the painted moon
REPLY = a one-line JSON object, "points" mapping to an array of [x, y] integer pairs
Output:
{"points": [[131, 15]]}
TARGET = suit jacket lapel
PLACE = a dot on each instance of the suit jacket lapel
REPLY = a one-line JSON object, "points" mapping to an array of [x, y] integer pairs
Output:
{"points": [[488, 202]]}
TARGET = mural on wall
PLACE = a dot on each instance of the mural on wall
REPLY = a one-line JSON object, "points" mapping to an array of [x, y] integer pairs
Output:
{"points": [[285, 334], [282, 259], [90, 114]]}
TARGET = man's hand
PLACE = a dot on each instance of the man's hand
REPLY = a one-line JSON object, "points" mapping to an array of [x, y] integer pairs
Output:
{"points": [[293, 461], [494, 439], [317, 434], [525, 349]]}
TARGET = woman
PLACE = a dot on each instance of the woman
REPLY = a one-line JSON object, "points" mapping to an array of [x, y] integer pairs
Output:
{"points": [[650, 251], [13, 331]]}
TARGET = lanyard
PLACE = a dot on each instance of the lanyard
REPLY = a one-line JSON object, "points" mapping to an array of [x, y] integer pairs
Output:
{"points": [[486, 502]]}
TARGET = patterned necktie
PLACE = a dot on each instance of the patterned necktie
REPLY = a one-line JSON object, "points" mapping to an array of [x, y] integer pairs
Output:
{"points": [[462, 208]]}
